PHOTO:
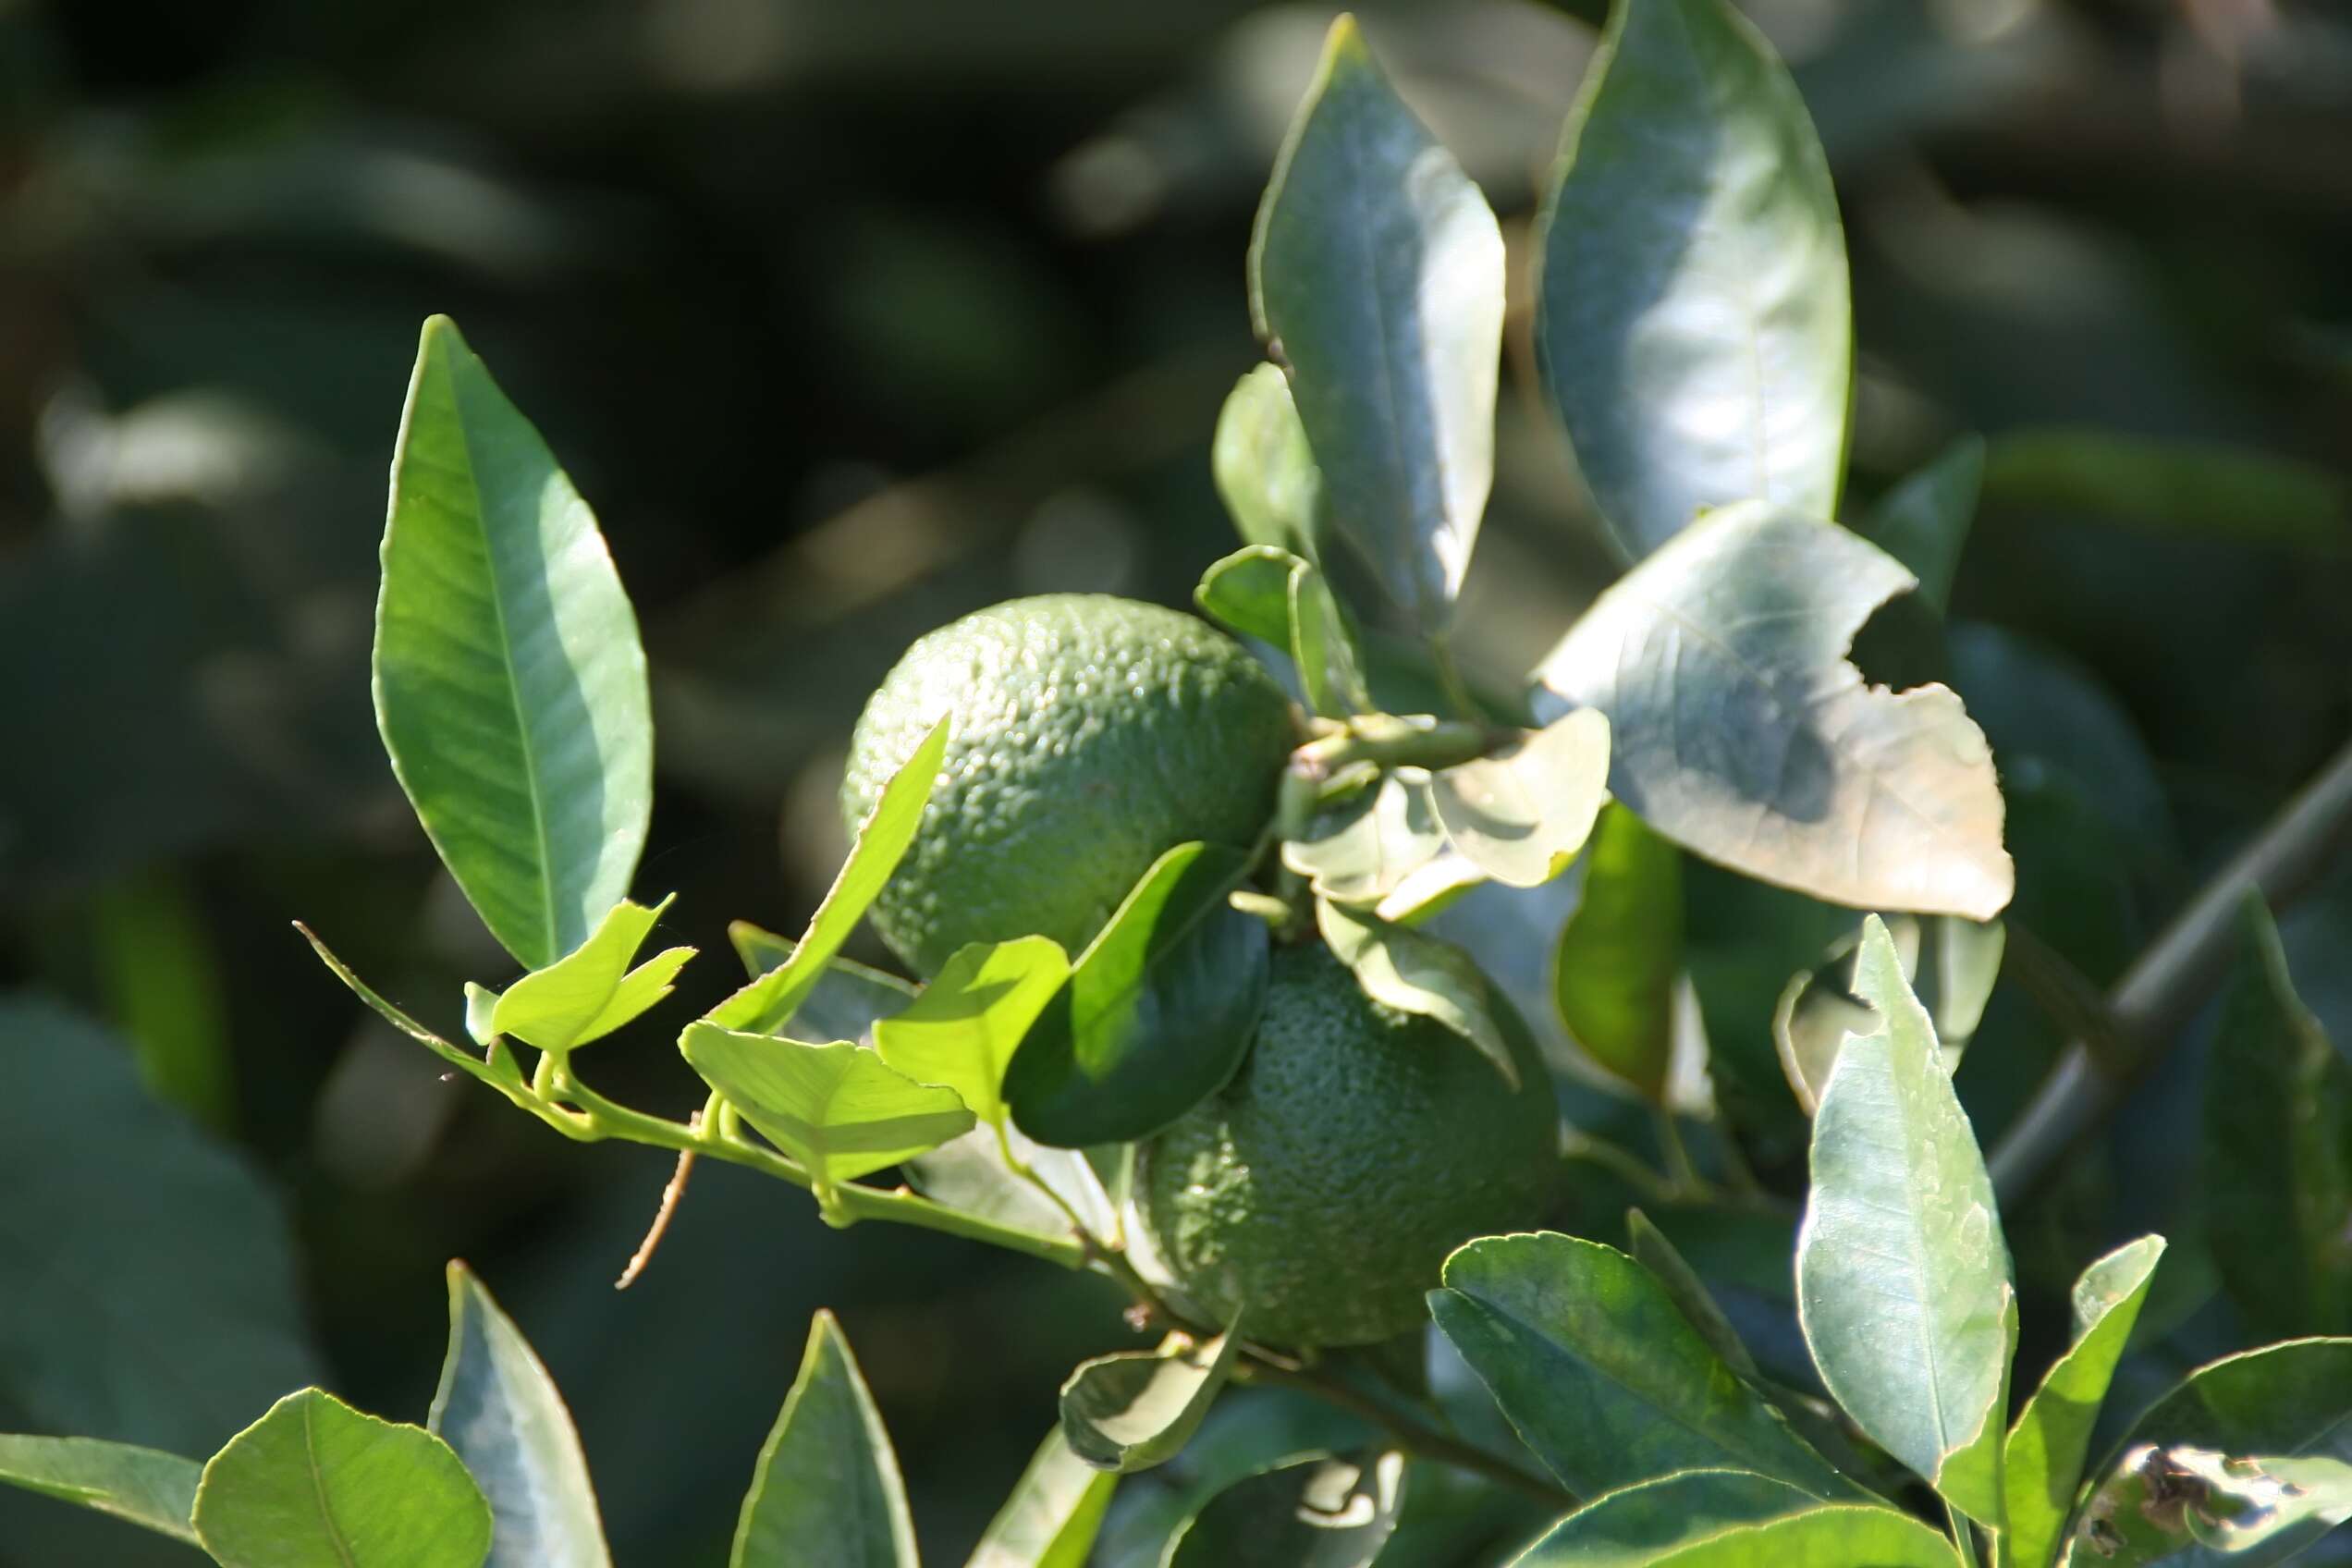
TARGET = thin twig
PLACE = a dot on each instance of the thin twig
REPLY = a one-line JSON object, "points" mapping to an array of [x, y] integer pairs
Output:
{"points": [[2167, 984]]}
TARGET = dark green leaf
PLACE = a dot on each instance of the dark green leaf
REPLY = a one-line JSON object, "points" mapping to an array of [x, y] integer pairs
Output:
{"points": [[497, 1069], [150, 1290], [1923, 523], [1740, 731], [1614, 971], [2168, 485], [1694, 322], [768, 1003], [1602, 1376], [1158, 1013], [2278, 1148], [839, 1109], [1416, 972], [1318, 1512], [962, 1030], [1280, 598], [509, 684], [1131, 1411], [1682, 1286], [1902, 1276], [1265, 470], [2042, 1461], [844, 1003], [827, 1489], [1376, 275], [315, 1482], [1052, 1516], [1630, 1527], [1821, 1537], [1951, 964], [1522, 813], [499, 1410], [143, 1486], [590, 991]]}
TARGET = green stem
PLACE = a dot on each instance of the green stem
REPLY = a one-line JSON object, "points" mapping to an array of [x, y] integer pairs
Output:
{"points": [[1963, 1535]]}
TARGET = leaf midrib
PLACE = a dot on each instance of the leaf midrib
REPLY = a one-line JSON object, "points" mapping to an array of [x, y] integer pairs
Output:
{"points": [[318, 1487]]}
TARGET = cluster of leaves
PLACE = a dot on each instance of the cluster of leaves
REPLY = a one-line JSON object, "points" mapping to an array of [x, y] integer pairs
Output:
{"points": [[1694, 333]]}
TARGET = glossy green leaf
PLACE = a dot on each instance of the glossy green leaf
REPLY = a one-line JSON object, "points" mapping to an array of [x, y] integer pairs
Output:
{"points": [[1249, 592], [1321, 1510], [962, 1030], [591, 992], [1693, 319], [509, 684], [1416, 973], [315, 1482], [1053, 1516], [1428, 890], [1688, 1292], [846, 1000], [1902, 1276], [1376, 276], [150, 1288], [2290, 1400], [1740, 730], [1520, 815], [2167, 485], [839, 1109], [1951, 964], [1630, 1527], [1614, 970], [970, 1173], [1131, 1411], [1602, 1374], [2042, 1461], [1360, 849], [497, 1068], [827, 1489], [1264, 469], [767, 1004], [499, 1410], [1158, 1011], [1924, 521], [1278, 597], [1821, 1537], [2277, 1151], [140, 1486]]}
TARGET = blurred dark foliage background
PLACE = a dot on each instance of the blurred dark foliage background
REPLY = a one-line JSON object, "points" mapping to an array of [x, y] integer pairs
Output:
{"points": [[848, 319]]}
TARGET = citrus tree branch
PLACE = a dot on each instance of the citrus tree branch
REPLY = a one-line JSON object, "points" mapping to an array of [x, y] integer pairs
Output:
{"points": [[2166, 984]]}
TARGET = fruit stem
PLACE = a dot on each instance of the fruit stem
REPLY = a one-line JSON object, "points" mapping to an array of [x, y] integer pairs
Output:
{"points": [[1417, 1438]]}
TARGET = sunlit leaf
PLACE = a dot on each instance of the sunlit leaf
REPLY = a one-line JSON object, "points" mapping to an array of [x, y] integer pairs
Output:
{"points": [[139, 1486], [964, 1027], [1821, 1537], [970, 1173], [826, 1487], [509, 683], [1951, 964], [839, 1109], [1316, 1512], [1134, 1410], [1614, 970], [1629, 1527], [1052, 1516], [591, 992], [1361, 849], [1264, 469], [1740, 730], [1416, 973], [1522, 813], [846, 1001]]}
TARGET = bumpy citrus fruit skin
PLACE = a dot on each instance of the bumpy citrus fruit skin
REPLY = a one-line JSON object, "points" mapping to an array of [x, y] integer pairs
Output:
{"points": [[1357, 1147], [1091, 735]]}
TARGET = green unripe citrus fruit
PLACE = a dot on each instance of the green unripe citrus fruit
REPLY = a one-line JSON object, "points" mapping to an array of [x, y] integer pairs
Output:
{"points": [[1090, 735], [1358, 1146]]}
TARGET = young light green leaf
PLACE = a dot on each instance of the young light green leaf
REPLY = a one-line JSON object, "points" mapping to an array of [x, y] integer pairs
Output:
{"points": [[962, 1030], [314, 1481], [509, 683], [590, 991], [1602, 1376], [1693, 319], [2278, 1148], [827, 1489], [1740, 730], [151, 1291], [1264, 469], [1923, 523], [1361, 849], [499, 1410], [1416, 973], [2290, 1400], [1630, 1527], [1323, 646], [1320, 1511], [1902, 1276], [1249, 593], [1821, 1537], [1131, 1411], [1426, 891], [847, 1000], [2042, 1461], [497, 1069], [1377, 274], [1053, 1516], [1158, 1013], [767, 1004], [1951, 964], [1520, 815], [1620, 954], [839, 1109], [141, 1486]]}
